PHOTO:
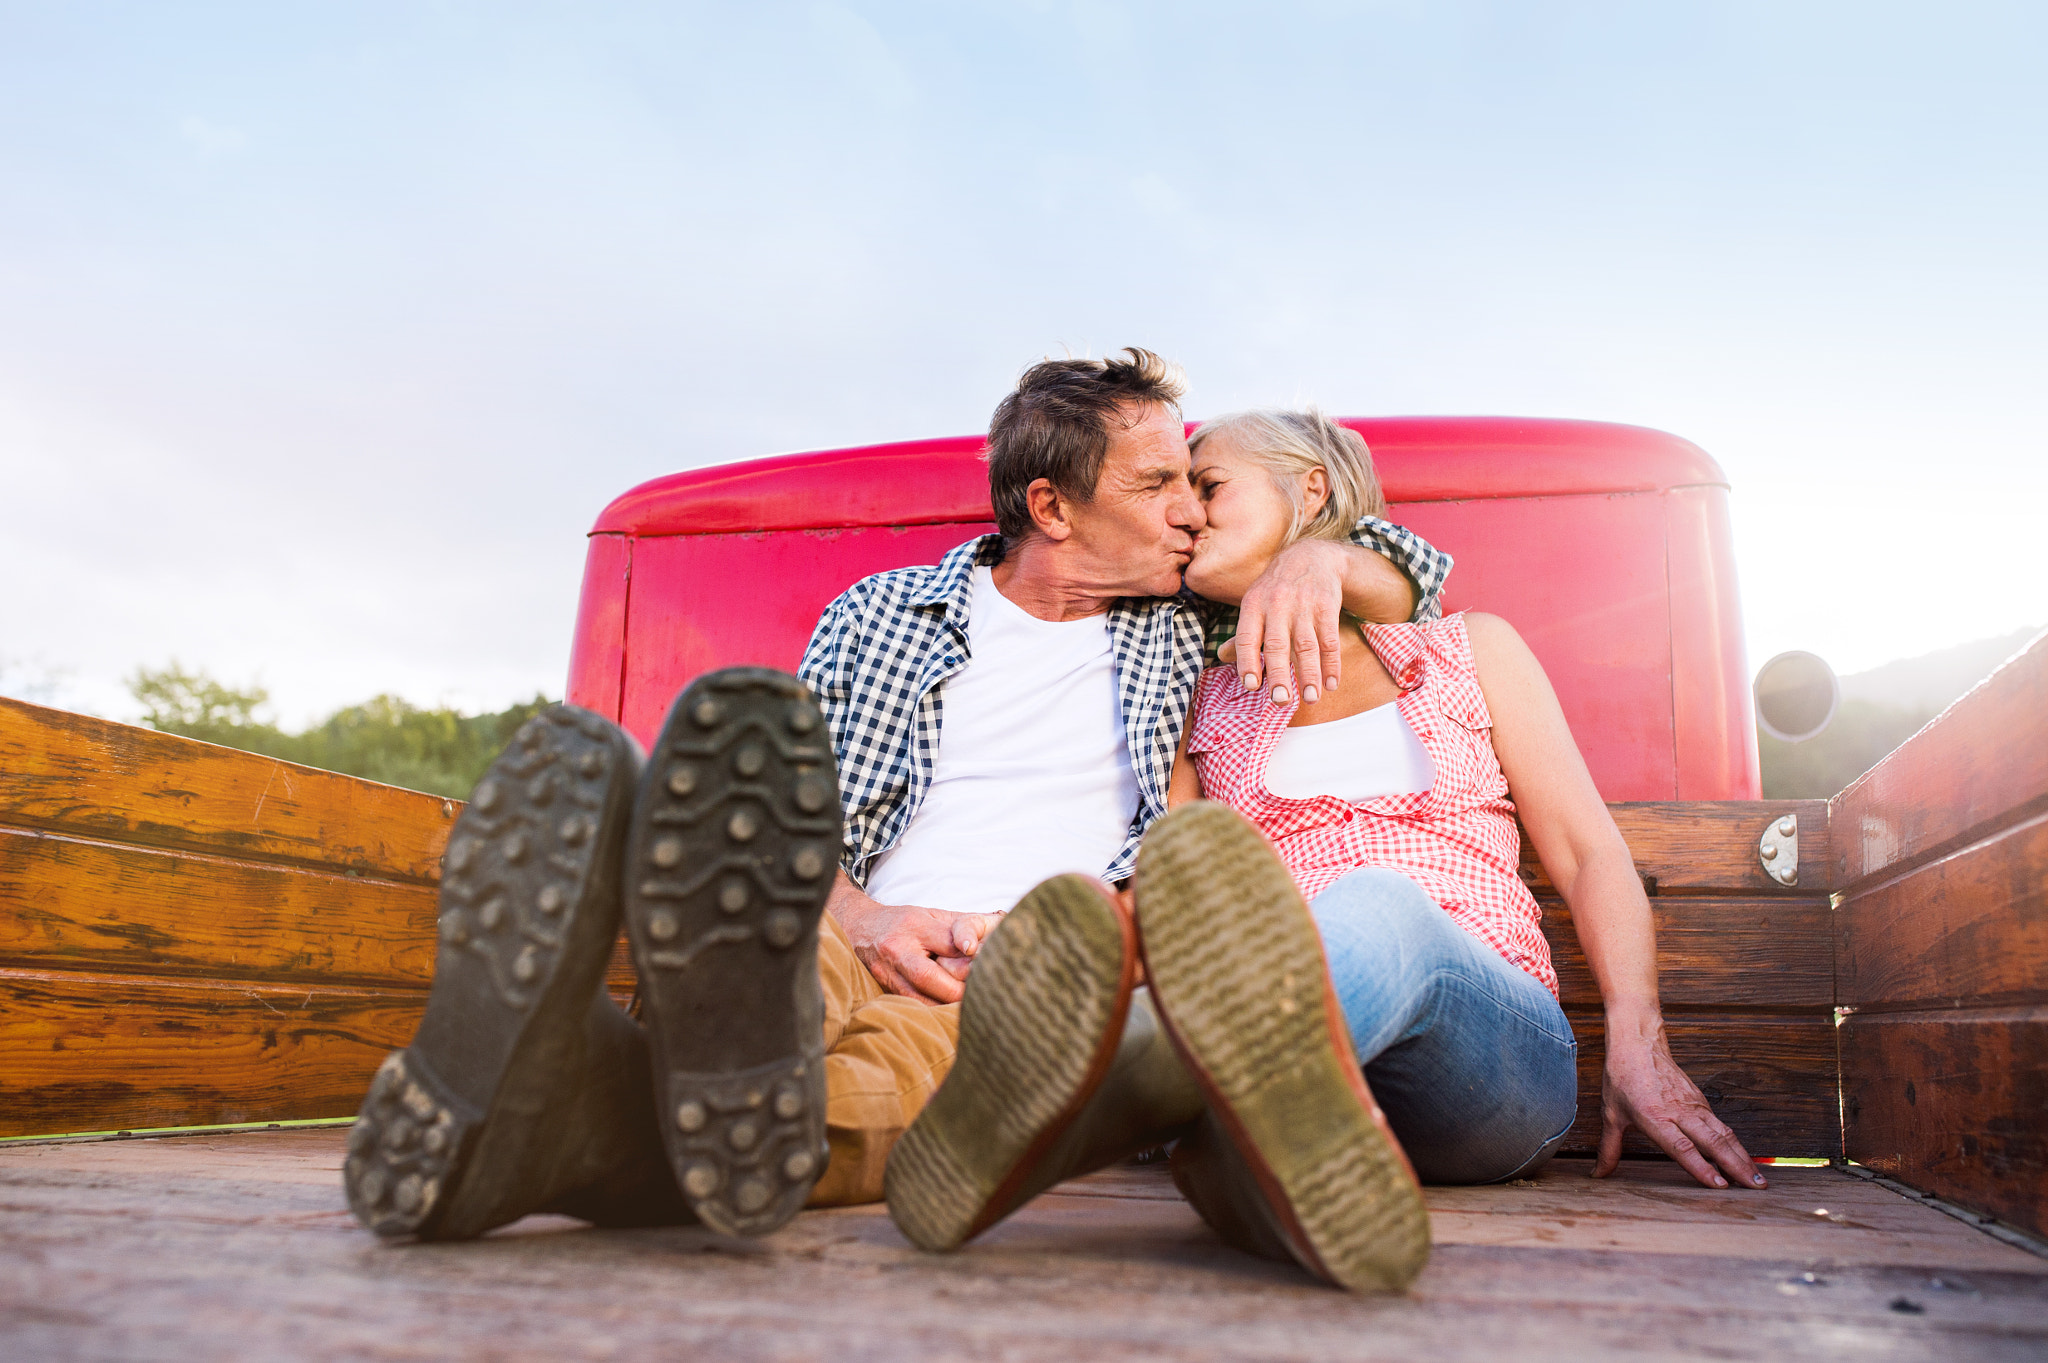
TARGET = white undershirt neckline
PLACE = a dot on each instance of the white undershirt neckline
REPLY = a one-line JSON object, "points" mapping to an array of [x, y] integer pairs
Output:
{"points": [[1357, 758]]}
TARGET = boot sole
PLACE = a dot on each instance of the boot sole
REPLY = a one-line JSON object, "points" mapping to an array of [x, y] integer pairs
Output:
{"points": [[1039, 1026], [455, 1125], [735, 841], [1237, 973]]}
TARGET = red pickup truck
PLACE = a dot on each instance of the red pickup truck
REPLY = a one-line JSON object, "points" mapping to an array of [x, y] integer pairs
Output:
{"points": [[224, 946]]}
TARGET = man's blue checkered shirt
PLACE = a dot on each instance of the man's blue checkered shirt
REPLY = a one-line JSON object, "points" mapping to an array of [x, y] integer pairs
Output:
{"points": [[883, 648]]}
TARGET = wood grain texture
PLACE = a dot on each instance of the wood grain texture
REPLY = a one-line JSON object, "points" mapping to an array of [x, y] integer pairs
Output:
{"points": [[72, 904], [1981, 761], [1954, 1103], [1771, 1079], [97, 1053], [1709, 846], [1970, 926], [118, 783], [1751, 953], [232, 1248]]}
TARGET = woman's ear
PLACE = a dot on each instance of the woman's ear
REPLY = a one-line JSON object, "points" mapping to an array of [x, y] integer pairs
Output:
{"points": [[1315, 493], [1048, 509]]}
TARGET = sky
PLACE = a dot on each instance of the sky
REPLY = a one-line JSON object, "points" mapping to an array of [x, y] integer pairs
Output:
{"points": [[326, 330]]}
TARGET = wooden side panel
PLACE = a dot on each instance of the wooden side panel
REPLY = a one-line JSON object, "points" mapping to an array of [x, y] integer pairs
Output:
{"points": [[1954, 1103], [94, 1052], [1942, 854], [1771, 1079], [1981, 761], [1765, 955], [75, 774], [73, 904], [1710, 846], [1970, 926]]}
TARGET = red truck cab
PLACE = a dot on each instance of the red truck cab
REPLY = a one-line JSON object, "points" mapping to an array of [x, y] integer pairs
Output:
{"points": [[1607, 546]]}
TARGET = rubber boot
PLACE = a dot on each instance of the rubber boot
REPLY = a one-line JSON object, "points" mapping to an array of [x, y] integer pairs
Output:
{"points": [[1062, 1069], [524, 1086], [734, 845], [1237, 970]]}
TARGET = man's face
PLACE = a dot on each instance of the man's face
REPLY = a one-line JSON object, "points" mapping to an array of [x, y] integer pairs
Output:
{"points": [[1139, 531]]}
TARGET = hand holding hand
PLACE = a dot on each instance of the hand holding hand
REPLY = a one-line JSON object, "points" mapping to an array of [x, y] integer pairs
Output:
{"points": [[1643, 1087], [917, 952]]}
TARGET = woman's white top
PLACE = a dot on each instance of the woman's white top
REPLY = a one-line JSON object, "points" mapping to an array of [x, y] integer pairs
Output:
{"points": [[1360, 757]]}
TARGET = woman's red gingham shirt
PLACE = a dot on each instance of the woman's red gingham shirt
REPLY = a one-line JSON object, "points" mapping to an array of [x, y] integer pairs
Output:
{"points": [[1457, 840]]}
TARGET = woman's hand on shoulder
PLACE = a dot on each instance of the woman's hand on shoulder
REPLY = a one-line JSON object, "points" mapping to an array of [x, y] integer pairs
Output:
{"points": [[1643, 1087]]}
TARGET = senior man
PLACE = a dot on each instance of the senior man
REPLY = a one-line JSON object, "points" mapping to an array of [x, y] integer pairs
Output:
{"points": [[1004, 716]]}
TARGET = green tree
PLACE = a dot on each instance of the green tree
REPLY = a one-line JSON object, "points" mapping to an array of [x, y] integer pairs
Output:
{"points": [[440, 751], [1860, 736]]}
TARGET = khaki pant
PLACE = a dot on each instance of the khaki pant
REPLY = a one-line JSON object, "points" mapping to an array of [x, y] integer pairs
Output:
{"points": [[884, 1057]]}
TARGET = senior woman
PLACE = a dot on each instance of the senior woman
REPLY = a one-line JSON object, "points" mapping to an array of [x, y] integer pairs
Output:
{"points": [[1392, 803]]}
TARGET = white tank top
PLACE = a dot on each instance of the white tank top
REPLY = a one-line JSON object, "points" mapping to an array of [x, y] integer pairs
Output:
{"points": [[1360, 757], [1033, 776]]}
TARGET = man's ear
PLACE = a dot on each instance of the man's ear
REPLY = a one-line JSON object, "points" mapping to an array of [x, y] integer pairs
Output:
{"points": [[1048, 509], [1315, 492]]}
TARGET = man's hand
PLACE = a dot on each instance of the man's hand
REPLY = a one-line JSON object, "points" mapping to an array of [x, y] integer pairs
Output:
{"points": [[1644, 1088], [918, 952], [1289, 620]]}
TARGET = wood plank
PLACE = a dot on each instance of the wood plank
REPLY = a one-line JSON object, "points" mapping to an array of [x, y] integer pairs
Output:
{"points": [[1766, 953], [95, 1052], [1981, 760], [1709, 846], [1771, 1079], [1954, 1103], [71, 904], [119, 783], [240, 1247], [1971, 926]]}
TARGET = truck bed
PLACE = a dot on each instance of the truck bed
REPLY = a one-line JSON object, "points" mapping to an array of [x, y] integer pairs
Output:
{"points": [[240, 1246]]}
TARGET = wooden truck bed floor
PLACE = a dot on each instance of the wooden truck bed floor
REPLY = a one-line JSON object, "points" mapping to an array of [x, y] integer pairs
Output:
{"points": [[240, 1246]]}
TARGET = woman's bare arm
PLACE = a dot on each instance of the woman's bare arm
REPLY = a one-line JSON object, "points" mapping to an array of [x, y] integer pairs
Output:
{"points": [[1185, 784], [1590, 864]]}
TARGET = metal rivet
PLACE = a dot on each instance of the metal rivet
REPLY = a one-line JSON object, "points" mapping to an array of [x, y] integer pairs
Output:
{"points": [[742, 826], [742, 1135], [706, 712], [788, 1104], [1786, 825], [808, 863], [668, 852], [682, 780], [752, 1195], [700, 1180], [798, 1165], [691, 1116]]}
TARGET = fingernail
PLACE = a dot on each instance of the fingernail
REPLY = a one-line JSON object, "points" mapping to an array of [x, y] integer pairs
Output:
{"points": [[1308, 695], [1720, 1182], [1331, 683], [1279, 695], [1251, 681], [1757, 1179]]}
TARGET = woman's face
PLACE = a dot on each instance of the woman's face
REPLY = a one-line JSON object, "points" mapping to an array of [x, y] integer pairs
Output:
{"points": [[1248, 520]]}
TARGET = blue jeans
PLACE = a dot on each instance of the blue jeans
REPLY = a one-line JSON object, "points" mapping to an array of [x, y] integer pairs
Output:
{"points": [[1471, 1059]]}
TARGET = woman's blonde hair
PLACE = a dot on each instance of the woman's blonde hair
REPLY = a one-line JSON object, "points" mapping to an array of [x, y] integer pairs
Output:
{"points": [[1287, 445]]}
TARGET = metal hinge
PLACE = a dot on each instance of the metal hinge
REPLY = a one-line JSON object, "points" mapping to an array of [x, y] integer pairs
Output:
{"points": [[1778, 849]]}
